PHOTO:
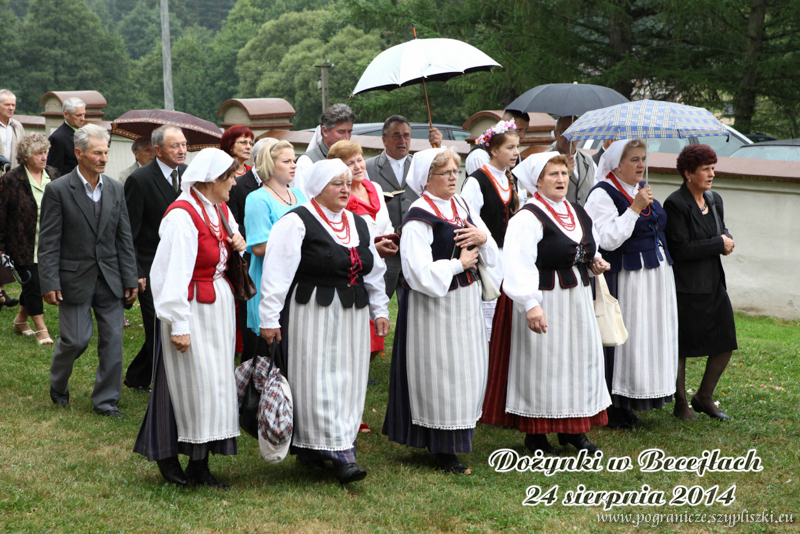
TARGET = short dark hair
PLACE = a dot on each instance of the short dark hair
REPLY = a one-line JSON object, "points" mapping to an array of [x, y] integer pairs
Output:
{"points": [[693, 157], [391, 120], [516, 114], [231, 135], [139, 144], [336, 114]]}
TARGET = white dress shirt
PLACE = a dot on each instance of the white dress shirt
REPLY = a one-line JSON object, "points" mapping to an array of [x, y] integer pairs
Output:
{"points": [[95, 194]]}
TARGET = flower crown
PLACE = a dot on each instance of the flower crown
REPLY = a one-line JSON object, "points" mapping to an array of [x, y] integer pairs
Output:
{"points": [[499, 128]]}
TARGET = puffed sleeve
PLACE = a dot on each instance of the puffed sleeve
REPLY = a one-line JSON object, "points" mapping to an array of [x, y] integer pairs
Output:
{"points": [[282, 258], [171, 272], [521, 282], [257, 219], [612, 229], [378, 301], [471, 192], [382, 219]]}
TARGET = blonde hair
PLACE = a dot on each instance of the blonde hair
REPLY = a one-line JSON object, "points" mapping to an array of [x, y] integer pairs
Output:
{"points": [[265, 166], [633, 143]]}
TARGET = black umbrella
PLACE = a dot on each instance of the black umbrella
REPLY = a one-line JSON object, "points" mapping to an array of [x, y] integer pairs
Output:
{"points": [[566, 99]]}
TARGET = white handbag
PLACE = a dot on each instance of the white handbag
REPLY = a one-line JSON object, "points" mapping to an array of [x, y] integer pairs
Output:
{"points": [[489, 291], [609, 317]]}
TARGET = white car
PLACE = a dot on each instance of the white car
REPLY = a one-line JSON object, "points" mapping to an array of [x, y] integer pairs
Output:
{"points": [[721, 145]]}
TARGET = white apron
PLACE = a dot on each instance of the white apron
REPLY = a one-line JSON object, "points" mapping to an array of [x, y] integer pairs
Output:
{"points": [[447, 358]]}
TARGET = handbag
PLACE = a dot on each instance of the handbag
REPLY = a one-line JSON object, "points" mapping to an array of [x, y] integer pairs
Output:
{"points": [[609, 317], [238, 271], [266, 405]]}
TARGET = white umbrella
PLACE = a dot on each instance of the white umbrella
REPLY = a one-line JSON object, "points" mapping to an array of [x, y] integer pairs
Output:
{"points": [[421, 60]]}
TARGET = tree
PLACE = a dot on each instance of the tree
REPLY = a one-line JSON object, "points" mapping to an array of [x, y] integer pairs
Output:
{"points": [[78, 53], [140, 29]]}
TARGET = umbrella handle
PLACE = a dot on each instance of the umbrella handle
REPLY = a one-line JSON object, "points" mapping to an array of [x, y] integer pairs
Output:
{"points": [[428, 106]]}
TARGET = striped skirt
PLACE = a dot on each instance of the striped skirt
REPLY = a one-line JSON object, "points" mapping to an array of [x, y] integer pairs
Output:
{"points": [[646, 366], [447, 358], [328, 364], [201, 383]]}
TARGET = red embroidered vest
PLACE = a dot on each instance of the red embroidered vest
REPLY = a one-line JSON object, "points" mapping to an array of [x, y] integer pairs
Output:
{"points": [[205, 266]]}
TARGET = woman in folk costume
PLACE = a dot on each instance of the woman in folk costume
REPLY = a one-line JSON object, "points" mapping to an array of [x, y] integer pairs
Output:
{"points": [[193, 405], [492, 194], [440, 356], [546, 369], [630, 224], [316, 306]]}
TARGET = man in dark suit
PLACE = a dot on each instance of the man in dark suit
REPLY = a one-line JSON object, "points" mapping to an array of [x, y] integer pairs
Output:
{"points": [[86, 261], [599, 154], [62, 147], [149, 191], [246, 184], [389, 169]]}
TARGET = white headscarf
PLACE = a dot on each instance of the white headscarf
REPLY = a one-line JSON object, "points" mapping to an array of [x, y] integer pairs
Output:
{"points": [[321, 174], [207, 166], [531, 167], [420, 168], [610, 159], [316, 139]]}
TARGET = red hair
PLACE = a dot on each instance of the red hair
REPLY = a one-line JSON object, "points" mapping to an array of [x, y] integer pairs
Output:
{"points": [[231, 135], [693, 157]]}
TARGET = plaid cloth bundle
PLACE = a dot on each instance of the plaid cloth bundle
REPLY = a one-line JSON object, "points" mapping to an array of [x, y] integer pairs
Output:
{"points": [[275, 418]]}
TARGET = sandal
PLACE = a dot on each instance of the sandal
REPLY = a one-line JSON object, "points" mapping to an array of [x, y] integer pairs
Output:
{"points": [[26, 332], [364, 429], [46, 341]]}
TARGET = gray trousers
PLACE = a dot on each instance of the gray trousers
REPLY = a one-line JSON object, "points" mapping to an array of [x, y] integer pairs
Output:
{"points": [[76, 330]]}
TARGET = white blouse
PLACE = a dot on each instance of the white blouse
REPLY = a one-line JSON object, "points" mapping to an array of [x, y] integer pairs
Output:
{"points": [[173, 265], [471, 192], [524, 233], [614, 229], [283, 255], [430, 277]]}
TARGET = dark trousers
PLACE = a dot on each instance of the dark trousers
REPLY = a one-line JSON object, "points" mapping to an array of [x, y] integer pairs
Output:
{"points": [[31, 296], [140, 370]]}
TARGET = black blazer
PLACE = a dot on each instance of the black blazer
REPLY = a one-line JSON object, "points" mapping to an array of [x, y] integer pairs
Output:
{"points": [[148, 195], [245, 184], [62, 150], [694, 242]]}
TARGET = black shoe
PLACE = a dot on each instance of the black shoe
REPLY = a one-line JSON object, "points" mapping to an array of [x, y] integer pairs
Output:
{"points": [[8, 302], [347, 473], [538, 442], [616, 419], [316, 464], [197, 470], [61, 399], [699, 407], [141, 389], [113, 413], [629, 416], [171, 471], [449, 463], [373, 382], [579, 441]]}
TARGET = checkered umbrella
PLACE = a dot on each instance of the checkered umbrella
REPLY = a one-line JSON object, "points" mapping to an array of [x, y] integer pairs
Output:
{"points": [[645, 119]]}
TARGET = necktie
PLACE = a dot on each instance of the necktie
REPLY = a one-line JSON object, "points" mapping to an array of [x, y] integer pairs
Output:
{"points": [[176, 183]]}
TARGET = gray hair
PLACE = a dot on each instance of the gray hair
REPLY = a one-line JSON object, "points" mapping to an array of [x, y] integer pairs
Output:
{"points": [[391, 120], [30, 144], [6, 93], [336, 114], [443, 158], [81, 137], [258, 146], [140, 144], [71, 104], [157, 137]]}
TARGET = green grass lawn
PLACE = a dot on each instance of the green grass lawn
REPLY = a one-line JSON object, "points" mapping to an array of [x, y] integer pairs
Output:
{"points": [[69, 470]]}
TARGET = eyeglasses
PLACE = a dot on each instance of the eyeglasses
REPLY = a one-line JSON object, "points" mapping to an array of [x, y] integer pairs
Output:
{"points": [[447, 174], [245, 142], [397, 136]]}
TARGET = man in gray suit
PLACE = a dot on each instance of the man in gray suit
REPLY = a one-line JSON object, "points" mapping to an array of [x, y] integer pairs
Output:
{"points": [[580, 164], [144, 154], [11, 131], [87, 261], [389, 169]]}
